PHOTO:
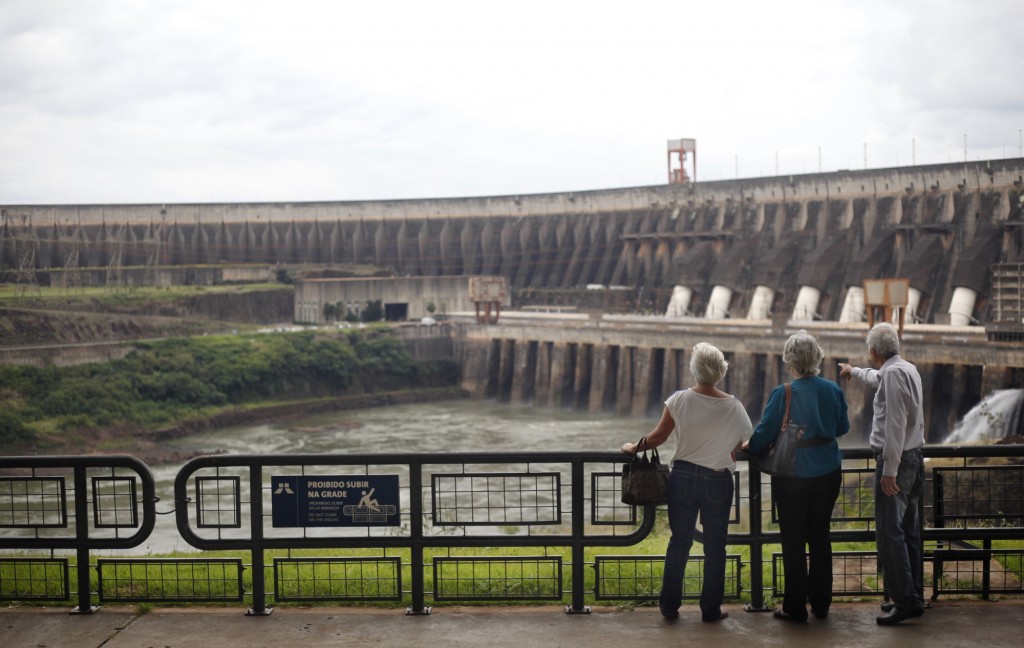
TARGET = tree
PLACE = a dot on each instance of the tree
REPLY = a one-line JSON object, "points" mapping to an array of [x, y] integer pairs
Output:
{"points": [[374, 311]]}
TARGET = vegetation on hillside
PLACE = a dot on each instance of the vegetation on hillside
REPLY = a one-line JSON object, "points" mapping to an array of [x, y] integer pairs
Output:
{"points": [[171, 380], [112, 297]]}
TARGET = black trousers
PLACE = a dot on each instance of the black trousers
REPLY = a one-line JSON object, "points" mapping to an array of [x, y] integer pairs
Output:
{"points": [[805, 512]]}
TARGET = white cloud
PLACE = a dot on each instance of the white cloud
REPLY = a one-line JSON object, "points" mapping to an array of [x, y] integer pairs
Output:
{"points": [[121, 101]]}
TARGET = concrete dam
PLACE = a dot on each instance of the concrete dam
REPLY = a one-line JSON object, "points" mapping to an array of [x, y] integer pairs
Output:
{"points": [[770, 254]]}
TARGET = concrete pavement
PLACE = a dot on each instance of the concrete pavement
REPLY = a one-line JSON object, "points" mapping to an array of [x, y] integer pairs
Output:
{"points": [[851, 625]]}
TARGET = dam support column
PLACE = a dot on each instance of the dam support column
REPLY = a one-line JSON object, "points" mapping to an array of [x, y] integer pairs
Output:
{"points": [[603, 374], [562, 372], [506, 369], [624, 382], [476, 368], [644, 372], [746, 380], [542, 375], [995, 378], [524, 371], [673, 373], [584, 371]]}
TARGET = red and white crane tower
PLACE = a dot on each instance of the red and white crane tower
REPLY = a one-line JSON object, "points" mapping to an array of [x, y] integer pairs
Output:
{"points": [[677, 150]]}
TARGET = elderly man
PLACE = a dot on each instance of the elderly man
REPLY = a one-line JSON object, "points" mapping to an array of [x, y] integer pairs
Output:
{"points": [[897, 434]]}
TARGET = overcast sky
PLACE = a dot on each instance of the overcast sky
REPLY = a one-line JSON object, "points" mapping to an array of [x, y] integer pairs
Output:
{"points": [[153, 101]]}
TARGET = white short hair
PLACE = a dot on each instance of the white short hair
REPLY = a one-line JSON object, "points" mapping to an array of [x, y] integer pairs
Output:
{"points": [[707, 364], [802, 354], [884, 339]]}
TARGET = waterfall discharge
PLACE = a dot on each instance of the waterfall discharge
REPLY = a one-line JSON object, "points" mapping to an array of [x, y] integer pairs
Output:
{"points": [[997, 415]]}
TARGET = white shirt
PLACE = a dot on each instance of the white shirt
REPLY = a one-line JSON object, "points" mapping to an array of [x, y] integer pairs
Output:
{"points": [[707, 429], [898, 423]]}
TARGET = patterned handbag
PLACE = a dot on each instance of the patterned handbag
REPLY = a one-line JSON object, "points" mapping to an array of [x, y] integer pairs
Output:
{"points": [[644, 481]]}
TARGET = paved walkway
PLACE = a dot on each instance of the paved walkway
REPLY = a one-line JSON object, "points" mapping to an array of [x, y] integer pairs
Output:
{"points": [[850, 625]]}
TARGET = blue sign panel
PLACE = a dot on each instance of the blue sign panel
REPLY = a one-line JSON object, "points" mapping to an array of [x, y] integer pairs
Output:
{"points": [[334, 500]]}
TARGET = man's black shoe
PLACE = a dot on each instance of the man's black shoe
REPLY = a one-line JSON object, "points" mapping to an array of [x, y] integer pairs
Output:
{"points": [[899, 615], [887, 606]]}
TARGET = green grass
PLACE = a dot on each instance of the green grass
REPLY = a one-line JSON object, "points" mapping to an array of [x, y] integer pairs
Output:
{"points": [[338, 577], [1012, 562], [45, 296]]}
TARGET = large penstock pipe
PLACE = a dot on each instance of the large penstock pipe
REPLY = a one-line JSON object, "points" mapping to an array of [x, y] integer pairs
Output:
{"points": [[806, 304], [679, 303]]}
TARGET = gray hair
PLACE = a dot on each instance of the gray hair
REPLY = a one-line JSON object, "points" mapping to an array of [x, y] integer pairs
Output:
{"points": [[802, 354], [707, 364], [884, 339]]}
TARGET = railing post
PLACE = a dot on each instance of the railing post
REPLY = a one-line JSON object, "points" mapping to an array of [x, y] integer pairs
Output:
{"points": [[920, 538], [416, 539], [82, 542], [756, 544], [578, 530], [259, 586], [986, 570]]}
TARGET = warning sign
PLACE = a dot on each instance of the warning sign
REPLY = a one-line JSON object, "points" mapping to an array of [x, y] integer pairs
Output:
{"points": [[335, 500]]}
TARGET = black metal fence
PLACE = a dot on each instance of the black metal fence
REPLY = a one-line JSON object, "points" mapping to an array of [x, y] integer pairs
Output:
{"points": [[37, 521], [408, 527]]}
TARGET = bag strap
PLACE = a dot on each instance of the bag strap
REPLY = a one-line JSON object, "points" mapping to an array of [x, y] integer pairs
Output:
{"points": [[789, 397], [804, 443], [643, 443]]}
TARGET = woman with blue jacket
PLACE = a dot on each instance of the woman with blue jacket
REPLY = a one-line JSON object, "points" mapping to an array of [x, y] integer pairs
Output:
{"points": [[805, 501]]}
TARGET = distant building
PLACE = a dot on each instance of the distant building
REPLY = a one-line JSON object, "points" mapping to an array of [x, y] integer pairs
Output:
{"points": [[402, 298]]}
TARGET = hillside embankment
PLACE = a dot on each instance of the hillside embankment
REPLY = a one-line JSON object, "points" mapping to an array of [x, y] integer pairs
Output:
{"points": [[53, 320]]}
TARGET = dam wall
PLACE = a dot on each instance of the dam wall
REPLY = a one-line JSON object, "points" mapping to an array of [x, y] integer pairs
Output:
{"points": [[746, 248]]}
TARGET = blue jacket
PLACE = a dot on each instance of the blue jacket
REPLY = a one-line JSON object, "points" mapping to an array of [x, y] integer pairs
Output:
{"points": [[818, 404]]}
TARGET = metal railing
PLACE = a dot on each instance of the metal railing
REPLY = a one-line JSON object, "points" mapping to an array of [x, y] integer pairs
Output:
{"points": [[481, 496], [413, 510], [34, 514]]}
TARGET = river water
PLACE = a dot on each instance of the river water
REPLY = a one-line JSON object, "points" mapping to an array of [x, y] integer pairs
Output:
{"points": [[462, 425]]}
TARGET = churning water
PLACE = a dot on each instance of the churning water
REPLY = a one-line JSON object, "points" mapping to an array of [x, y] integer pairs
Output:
{"points": [[456, 426], [997, 415]]}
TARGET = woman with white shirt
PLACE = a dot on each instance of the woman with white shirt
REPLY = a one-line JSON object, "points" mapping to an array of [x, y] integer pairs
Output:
{"points": [[708, 426]]}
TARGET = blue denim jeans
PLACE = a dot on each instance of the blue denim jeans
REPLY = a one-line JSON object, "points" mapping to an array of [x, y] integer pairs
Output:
{"points": [[898, 531], [697, 490]]}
